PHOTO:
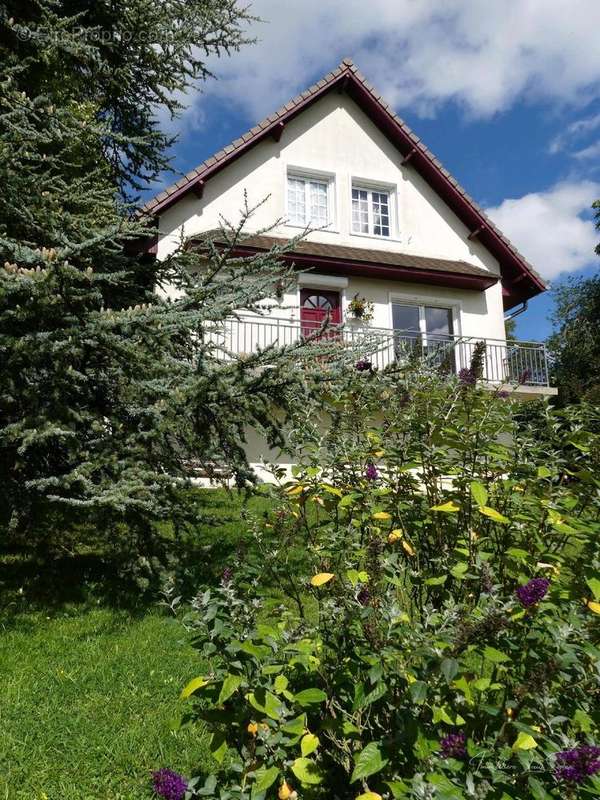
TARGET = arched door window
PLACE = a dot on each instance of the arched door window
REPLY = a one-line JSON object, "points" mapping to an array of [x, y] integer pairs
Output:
{"points": [[316, 305]]}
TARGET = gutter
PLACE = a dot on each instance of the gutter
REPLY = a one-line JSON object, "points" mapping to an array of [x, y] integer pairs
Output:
{"points": [[516, 313]]}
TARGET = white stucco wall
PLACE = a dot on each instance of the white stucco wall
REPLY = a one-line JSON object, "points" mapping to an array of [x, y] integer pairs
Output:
{"points": [[335, 138]]}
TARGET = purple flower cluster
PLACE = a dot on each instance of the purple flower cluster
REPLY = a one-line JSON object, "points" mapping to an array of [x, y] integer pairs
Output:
{"points": [[364, 596], [363, 365], [168, 784], [454, 745], [525, 376], [532, 592], [226, 576], [503, 394], [467, 377], [371, 473], [578, 764]]}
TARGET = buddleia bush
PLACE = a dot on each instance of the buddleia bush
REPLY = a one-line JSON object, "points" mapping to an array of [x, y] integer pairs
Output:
{"points": [[418, 614]]}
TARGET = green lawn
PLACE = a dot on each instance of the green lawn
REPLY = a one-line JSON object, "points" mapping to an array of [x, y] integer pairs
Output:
{"points": [[88, 689], [86, 697]]}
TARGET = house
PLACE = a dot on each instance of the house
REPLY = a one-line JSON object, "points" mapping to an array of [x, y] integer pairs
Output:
{"points": [[397, 236]]}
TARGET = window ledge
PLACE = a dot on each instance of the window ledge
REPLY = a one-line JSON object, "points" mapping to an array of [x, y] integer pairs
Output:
{"points": [[313, 230], [374, 236]]}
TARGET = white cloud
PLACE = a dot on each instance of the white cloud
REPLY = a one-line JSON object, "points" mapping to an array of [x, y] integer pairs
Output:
{"points": [[548, 227], [576, 132], [591, 151], [421, 53]]}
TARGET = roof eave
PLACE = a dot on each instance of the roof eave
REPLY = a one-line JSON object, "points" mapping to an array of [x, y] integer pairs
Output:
{"points": [[344, 266]]}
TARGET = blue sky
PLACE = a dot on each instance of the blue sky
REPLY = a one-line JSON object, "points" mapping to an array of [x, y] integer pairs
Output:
{"points": [[507, 95]]}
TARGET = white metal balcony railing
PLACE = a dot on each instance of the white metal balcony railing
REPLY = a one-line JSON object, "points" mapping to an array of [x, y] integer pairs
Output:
{"points": [[504, 361]]}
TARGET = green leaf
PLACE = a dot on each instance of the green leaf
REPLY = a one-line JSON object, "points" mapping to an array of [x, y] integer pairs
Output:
{"points": [[494, 515], [517, 553], [258, 651], [308, 697], [447, 508], [309, 743], [441, 579], [332, 489], [218, 746], [266, 702], [495, 656], [418, 692], [367, 762], [369, 796], [264, 778], [230, 685], [449, 667], [543, 472], [458, 570], [307, 771], [441, 715], [281, 683], [582, 721], [479, 493], [537, 789], [193, 686], [594, 585], [524, 741], [355, 577], [348, 728], [295, 726], [462, 685], [397, 788]]}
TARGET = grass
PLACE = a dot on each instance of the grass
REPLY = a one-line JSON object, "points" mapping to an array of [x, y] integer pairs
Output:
{"points": [[88, 689], [87, 696]]}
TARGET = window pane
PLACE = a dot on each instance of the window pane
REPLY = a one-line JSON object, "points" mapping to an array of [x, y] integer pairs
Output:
{"points": [[438, 321], [360, 211], [296, 201], [381, 213], [318, 203], [318, 301], [405, 318]]}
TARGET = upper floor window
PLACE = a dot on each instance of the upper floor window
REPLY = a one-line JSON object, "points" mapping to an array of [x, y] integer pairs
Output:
{"points": [[370, 212], [308, 201]]}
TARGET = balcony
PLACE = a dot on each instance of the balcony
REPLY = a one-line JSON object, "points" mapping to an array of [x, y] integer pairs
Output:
{"points": [[505, 363]]}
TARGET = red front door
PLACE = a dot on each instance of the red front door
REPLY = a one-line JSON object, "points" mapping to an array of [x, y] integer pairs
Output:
{"points": [[316, 305]]}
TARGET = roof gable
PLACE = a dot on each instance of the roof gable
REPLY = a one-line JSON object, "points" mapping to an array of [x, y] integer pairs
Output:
{"points": [[520, 280]]}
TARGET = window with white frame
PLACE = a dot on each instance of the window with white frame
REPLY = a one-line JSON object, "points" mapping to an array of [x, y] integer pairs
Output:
{"points": [[371, 213], [308, 201], [434, 322], [425, 331]]}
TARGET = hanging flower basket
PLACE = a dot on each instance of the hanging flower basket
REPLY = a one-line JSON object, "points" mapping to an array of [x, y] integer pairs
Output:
{"points": [[361, 308]]}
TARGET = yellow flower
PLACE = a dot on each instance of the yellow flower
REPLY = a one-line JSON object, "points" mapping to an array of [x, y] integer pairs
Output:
{"points": [[321, 578], [408, 548], [395, 535], [285, 791], [252, 728]]}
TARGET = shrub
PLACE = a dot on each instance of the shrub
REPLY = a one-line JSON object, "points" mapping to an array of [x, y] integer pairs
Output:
{"points": [[418, 614]]}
